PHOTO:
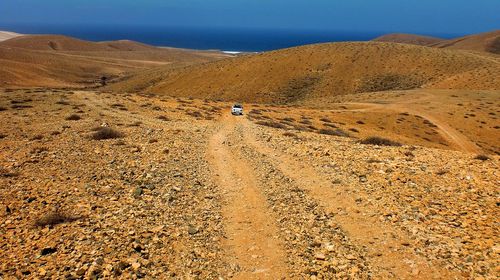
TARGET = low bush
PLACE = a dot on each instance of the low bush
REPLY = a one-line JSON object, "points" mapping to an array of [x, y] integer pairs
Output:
{"points": [[104, 133], [336, 132], [482, 157], [163, 118], [53, 218], [4, 172], [379, 141], [272, 124], [73, 117], [37, 137], [290, 134]]}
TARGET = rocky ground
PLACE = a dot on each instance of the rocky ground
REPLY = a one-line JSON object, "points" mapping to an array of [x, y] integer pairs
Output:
{"points": [[182, 190]]}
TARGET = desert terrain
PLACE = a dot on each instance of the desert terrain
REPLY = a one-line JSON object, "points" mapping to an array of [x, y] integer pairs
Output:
{"points": [[373, 160], [60, 61], [487, 42]]}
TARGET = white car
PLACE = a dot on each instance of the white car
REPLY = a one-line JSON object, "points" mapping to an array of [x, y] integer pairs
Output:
{"points": [[237, 109]]}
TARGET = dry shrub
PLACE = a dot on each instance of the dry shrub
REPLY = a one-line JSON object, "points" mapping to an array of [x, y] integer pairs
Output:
{"points": [[353, 130], [325, 120], [37, 137], [379, 141], [20, 106], [306, 121], [2, 136], [482, 157], [153, 140], [62, 102], [441, 172], [288, 119], [360, 122], [53, 218], [103, 133], [4, 172], [163, 118], [330, 125], [196, 114], [290, 134], [255, 111], [73, 117], [336, 132], [136, 124], [2, 108], [272, 124]]}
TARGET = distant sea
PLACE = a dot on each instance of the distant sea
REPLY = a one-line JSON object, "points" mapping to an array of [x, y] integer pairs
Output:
{"points": [[229, 39]]}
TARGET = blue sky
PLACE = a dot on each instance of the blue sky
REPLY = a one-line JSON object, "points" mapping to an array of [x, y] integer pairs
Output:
{"points": [[417, 16]]}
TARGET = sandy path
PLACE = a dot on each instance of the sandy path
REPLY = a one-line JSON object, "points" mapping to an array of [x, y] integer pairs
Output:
{"points": [[252, 236], [453, 136], [363, 228]]}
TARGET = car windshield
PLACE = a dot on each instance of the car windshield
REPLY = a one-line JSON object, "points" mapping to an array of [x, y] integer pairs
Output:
{"points": [[237, 106]]}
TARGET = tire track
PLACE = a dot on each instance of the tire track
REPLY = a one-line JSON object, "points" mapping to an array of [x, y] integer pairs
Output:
{"points": [[363, 229], [251, 243]]}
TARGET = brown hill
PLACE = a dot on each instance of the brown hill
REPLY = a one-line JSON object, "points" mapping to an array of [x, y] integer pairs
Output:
{"points": [[53, 60], [312, 72], [408, 39], [485, 42], [64, 43]]}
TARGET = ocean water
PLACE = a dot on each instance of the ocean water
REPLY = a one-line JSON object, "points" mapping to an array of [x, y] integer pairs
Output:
{"points": [[229, 39], [225, 39]]}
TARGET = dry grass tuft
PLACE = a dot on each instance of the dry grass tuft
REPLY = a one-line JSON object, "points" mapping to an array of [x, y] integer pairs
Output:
{"points": [[482, 157], [163, 118], [73, 117], [104, 133], [53, 218], [4, 172], [379, 141], [272, 124], [336, 132]]}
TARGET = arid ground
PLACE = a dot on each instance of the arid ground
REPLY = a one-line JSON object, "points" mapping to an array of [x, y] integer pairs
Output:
{"points": [[114, 185]]}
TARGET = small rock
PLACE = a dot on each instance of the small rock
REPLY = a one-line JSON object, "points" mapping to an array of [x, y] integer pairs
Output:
{"points": [[137, 192], [192, 230], [362, 178], [320, 256], [48, 251]]}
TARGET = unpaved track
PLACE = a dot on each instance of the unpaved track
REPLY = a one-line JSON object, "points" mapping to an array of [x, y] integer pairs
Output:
{"points": [[252, 242], [449, 133], [381, 241]]}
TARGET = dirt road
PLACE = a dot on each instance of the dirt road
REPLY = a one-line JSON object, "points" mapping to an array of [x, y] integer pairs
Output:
{"points": [[252, 220]]}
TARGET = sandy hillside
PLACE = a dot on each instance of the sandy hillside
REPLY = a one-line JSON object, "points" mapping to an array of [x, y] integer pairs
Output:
{"points": [[484, 42], [412, 39], [5, 35], [97, 185], [58, 61], [299, 74]]}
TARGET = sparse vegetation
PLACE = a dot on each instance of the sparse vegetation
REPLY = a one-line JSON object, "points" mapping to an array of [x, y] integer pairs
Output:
{"points": [[73, 117], [103, 133], [53, 218], [36, 137], [441, 172], [163, 118], [4, 172], [290, 134], [336, 132], [379, 141], [482, 157], [272, 124]]}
